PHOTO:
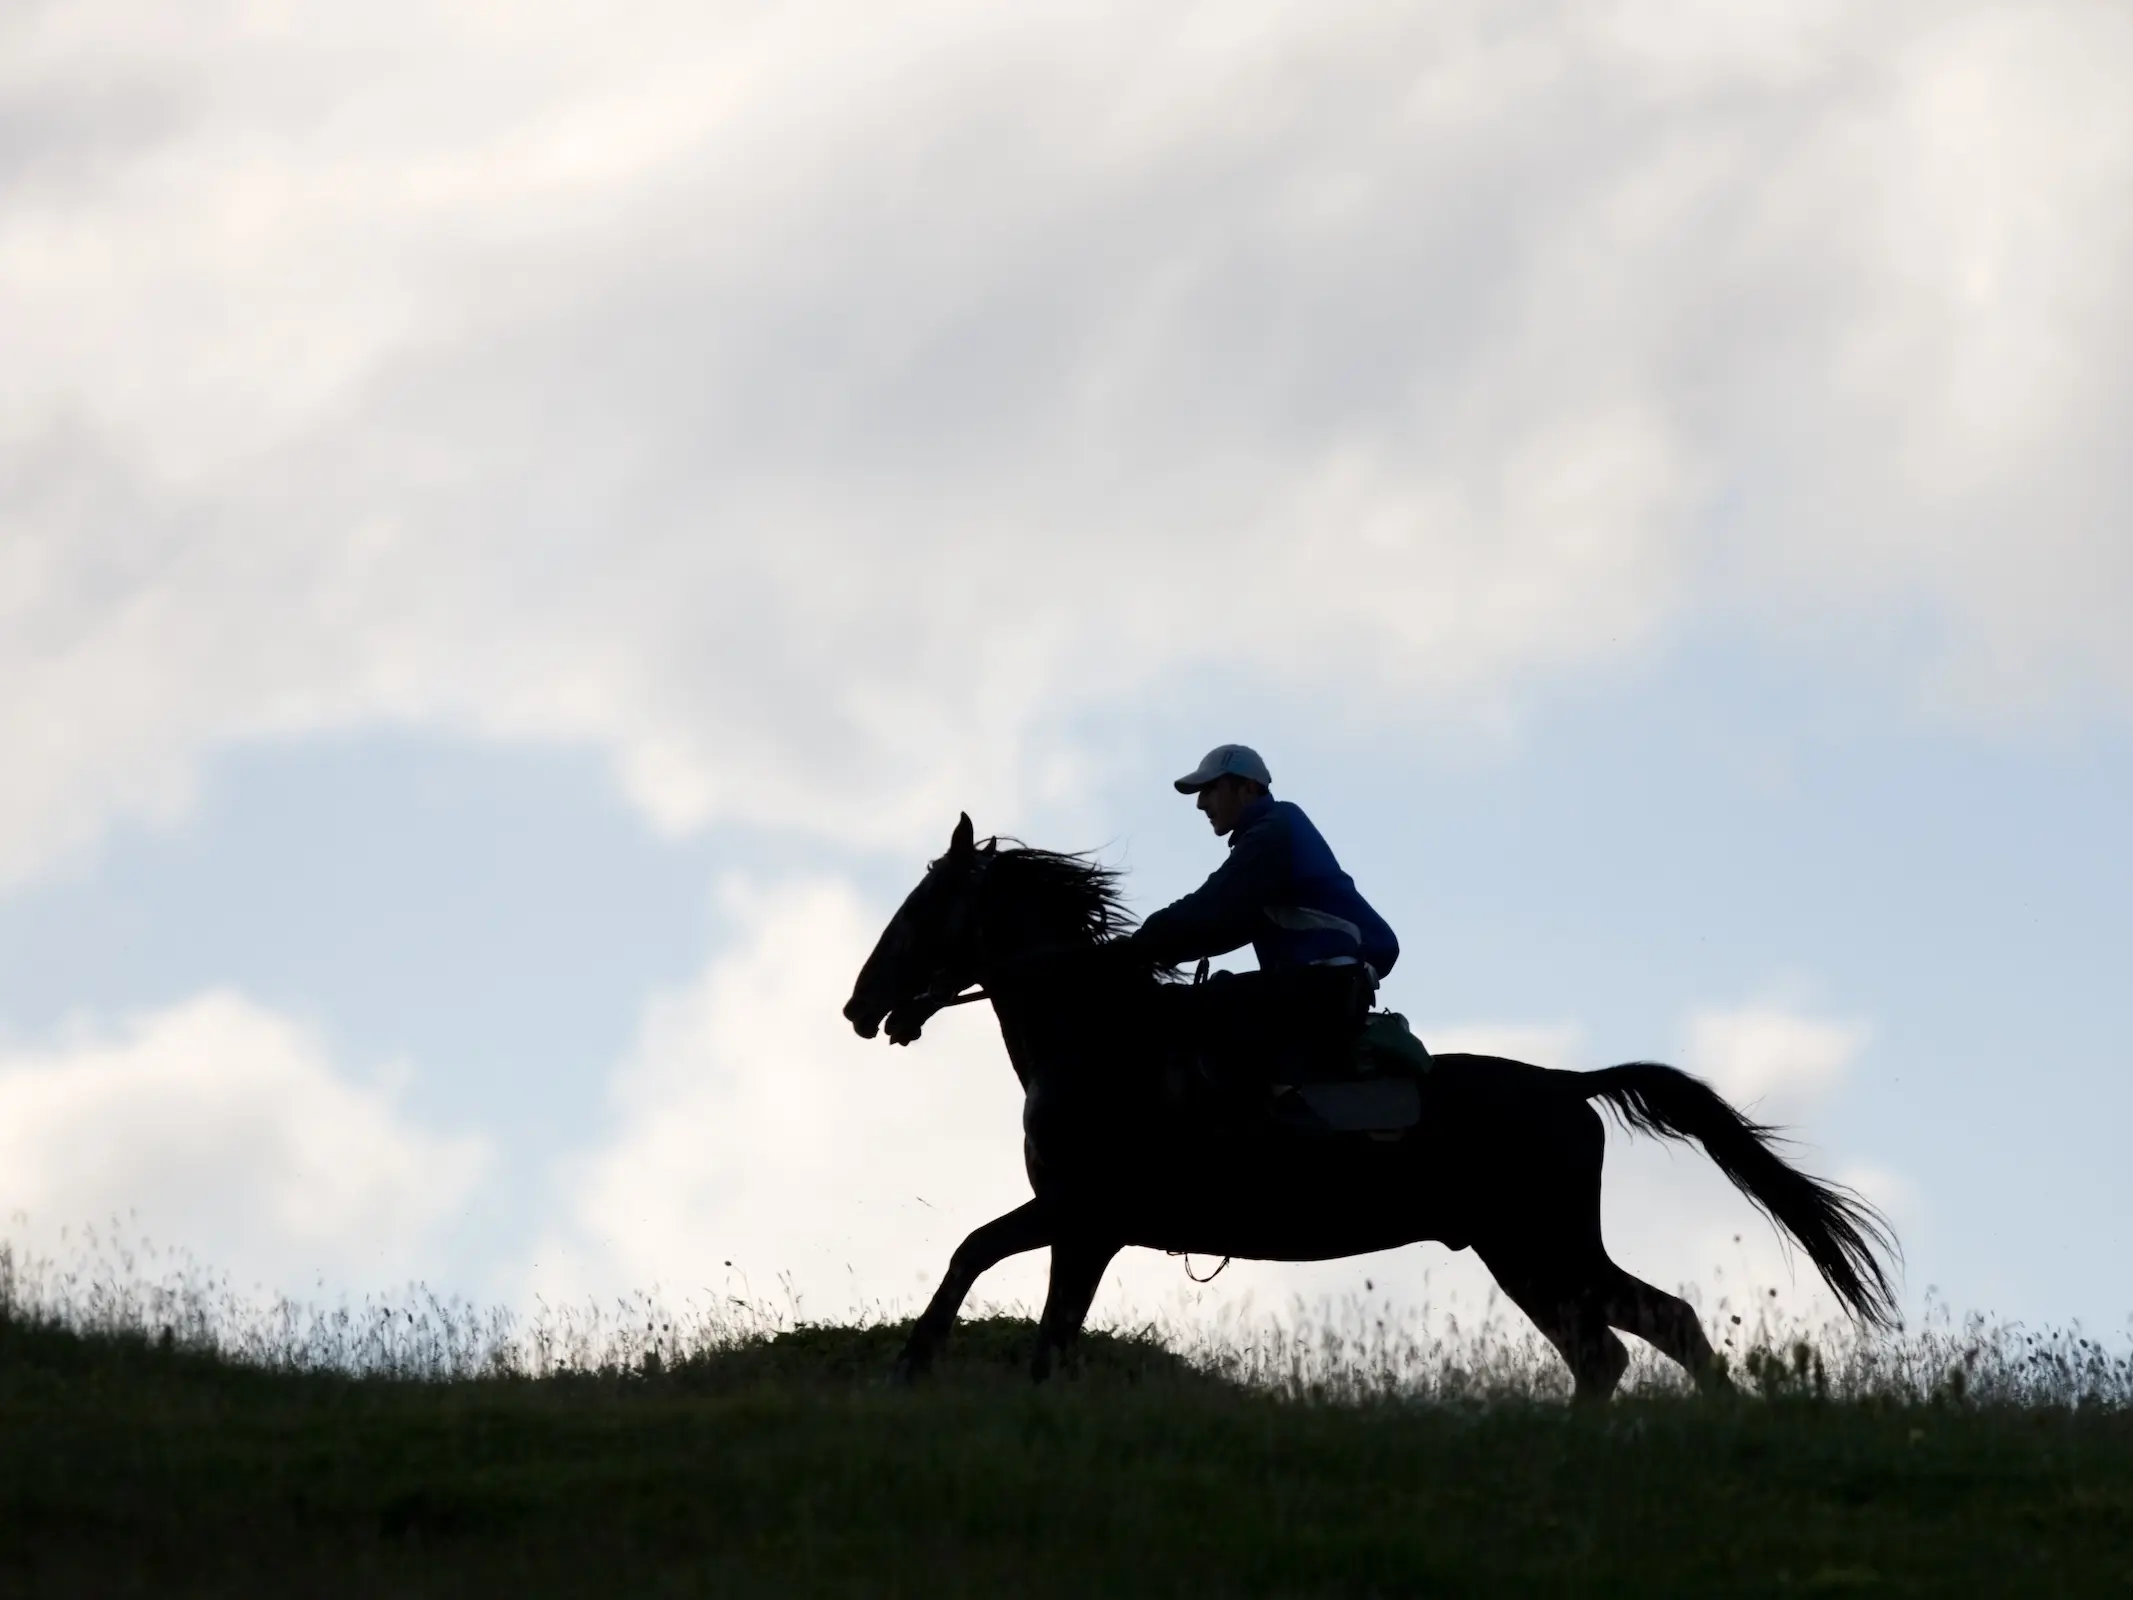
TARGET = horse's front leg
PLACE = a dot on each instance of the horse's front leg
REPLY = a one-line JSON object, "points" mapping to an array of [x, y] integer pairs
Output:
{"points": [[1077, 1268], [1024, 1228]]}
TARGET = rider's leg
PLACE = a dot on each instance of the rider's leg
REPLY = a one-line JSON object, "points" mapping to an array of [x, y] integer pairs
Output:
{"points": [[1312, 1018], [1077, 1268], [1237, 1011], [1024, 1228]]}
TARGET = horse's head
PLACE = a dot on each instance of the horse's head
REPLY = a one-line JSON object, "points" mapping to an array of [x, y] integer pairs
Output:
{"points": [[931, 945]]}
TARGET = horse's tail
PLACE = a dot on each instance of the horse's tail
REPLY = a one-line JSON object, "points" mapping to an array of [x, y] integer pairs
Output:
{"points": [[1841, 1232]]}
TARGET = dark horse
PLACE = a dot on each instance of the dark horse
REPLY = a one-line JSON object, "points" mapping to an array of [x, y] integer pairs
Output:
{"points": [[1506, 1157]]}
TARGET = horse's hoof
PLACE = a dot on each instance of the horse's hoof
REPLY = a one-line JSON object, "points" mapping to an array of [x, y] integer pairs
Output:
{"points": [[907, 1371], [1040, 1365]]}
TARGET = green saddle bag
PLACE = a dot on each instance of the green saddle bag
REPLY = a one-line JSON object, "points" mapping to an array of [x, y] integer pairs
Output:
{"points": [[1389, 1046]]}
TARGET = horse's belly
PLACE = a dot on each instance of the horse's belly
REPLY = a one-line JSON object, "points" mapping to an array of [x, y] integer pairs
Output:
{"points": [[1337, 1197]]}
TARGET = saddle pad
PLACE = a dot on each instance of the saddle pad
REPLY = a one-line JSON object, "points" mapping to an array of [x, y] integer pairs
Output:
{"points": [[1370, 1105]]}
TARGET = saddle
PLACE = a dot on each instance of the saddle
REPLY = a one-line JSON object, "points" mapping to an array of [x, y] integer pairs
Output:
{"points": [[1383, 1098], [1301, 1047]]}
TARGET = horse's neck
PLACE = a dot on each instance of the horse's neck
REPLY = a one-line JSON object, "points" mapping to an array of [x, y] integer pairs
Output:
{"points": [[1049, 1017], [1018, 937], [1023, 998]]}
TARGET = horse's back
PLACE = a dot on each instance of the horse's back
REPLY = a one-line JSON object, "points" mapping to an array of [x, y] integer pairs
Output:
{"points": [[1480, 1108], [1483, 1076]]}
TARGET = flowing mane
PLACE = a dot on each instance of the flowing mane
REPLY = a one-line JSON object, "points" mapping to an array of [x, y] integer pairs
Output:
{"points": [[1075, 893]]}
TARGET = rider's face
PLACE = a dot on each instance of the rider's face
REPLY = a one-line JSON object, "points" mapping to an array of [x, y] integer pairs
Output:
{"points": [[1223, 801]]}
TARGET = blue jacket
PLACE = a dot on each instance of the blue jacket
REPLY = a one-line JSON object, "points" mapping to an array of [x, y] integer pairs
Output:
{"points": [[1282, 893]]}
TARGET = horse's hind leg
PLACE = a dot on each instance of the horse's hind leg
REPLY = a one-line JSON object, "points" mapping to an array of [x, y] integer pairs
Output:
{"points": [[1578, 1329], [1668, 1324], [1549, 1259], [1024, 1228], [1567, 1307], [1077, 1268], [1601, 1358]]}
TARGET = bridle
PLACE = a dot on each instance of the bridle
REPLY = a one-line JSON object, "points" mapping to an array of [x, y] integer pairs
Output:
{"points": [[941, 996], [942, 990]]}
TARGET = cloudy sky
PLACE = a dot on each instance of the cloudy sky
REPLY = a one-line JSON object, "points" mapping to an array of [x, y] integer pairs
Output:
{"points": [[521, 526]]}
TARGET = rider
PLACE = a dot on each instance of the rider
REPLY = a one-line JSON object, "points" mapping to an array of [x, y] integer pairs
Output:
{"points": [[1321, 948]]}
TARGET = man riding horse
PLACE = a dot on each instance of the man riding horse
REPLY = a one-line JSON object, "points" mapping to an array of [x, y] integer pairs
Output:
{"points": [[1320, 946], [1506, 1161]]}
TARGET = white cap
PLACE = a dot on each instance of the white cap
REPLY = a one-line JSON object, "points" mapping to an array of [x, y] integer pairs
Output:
{"points": [[1240, 760]]}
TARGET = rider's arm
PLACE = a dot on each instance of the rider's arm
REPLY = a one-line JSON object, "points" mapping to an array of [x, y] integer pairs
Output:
{"points": [[1381, 946], [1229, 908]]}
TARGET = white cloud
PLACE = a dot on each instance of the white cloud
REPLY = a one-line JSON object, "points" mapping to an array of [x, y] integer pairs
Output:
{"points": [[765, 396], [1770, 1058], [219, 1127], [753, 1127]]}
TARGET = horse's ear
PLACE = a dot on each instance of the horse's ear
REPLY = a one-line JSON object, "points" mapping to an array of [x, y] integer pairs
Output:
{"points": [[965, 839], [992, 845]]}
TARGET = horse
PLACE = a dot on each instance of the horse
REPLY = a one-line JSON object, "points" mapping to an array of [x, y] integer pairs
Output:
{"points": [[1505, 1158]]}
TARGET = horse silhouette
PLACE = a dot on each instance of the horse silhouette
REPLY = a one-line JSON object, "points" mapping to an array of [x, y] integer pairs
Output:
{"points": [[1505, 1159]]}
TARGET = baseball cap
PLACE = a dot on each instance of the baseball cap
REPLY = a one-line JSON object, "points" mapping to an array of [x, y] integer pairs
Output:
{"points": [[1239, 759]]}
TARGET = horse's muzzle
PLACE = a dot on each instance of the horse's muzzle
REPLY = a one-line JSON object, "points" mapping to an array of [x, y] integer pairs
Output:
{"points": [[865, 1021]]}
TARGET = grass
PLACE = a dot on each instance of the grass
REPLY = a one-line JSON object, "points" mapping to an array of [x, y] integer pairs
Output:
{"points": [[148, 1447]]}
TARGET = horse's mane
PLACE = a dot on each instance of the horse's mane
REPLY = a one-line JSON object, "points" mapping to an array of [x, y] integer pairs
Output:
{"points": [[1077, 892]]}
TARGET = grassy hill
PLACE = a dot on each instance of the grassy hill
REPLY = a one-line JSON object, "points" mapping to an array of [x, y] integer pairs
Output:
{"points": [[781, 1465]]}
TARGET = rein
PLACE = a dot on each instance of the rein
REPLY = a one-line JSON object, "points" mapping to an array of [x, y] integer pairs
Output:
{"points": [[1035, 953], [1196, 1278]]}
